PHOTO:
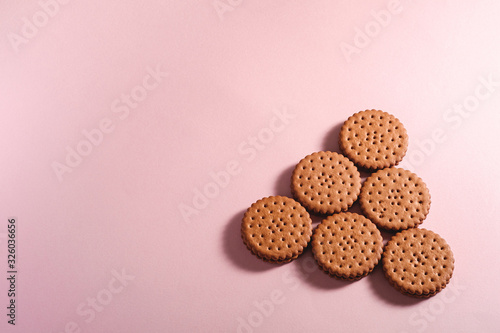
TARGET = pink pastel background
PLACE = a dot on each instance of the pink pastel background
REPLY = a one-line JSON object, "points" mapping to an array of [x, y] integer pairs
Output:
{"points": [[232, 65]]}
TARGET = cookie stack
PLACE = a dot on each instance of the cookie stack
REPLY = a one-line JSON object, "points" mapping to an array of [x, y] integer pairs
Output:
{"points": [[348, 246]]}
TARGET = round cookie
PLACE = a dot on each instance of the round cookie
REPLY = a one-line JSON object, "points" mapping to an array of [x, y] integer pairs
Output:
{"points": [[395, 199], [418, 262], [276, 229], [326, 182], [347, 246], [373, 139]]}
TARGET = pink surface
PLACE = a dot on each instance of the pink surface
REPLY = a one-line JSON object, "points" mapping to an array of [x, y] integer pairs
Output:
{"points": [[117, 208]]}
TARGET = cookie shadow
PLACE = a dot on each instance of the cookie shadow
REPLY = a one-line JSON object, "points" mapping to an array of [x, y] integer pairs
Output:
{"points": [[364, 173], [386, 235], [284, 181], [388, 293], [331, 140], [309, 271], [356, 208], [237, 252]]}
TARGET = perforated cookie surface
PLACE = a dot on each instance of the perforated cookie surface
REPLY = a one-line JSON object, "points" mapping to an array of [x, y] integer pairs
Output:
{"points": [[418, 262], [373, 139], [395, 198], [276, 229], [347, 245], [326, 182]]}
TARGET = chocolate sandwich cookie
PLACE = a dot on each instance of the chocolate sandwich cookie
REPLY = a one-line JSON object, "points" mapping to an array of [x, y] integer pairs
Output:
{"points": [[395, 199], [373, 139], [347, 246], [276, 229], [418, 262], [326, 182]]}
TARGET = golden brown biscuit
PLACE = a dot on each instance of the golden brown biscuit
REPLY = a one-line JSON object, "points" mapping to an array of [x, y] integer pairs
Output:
{"points": [[276, 229], [347, 246], [326, 182], [373, 139], [418, 262], [395, 199]]}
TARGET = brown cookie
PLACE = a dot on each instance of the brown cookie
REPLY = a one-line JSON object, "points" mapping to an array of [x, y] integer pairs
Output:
{"points": [[395, 199], [276, 229], [347, 246], [418, 262], [326, 182], [373, 139]]}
